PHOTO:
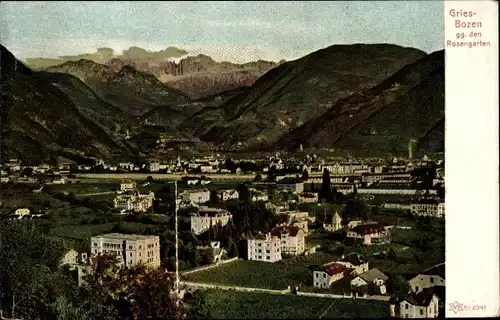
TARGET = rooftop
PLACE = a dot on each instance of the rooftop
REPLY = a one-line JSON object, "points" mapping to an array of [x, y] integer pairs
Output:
{"points": [[437, 270], [333, 268], [122, 236], [422, 298], [291, 230], [365, 229], [353, 258], [372, 274]]}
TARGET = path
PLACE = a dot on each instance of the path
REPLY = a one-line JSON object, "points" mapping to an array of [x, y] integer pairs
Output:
{"points": [[285, 291], [326, 311], [95, 194]]}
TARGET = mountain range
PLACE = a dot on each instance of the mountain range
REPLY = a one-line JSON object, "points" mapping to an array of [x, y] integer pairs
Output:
{"points": [[195, 76], [357, 98]]}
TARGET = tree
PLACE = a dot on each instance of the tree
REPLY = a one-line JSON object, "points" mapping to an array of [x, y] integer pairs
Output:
{"points": [[356, 209], [136, 293], [305, 175], [233, 250], [29, 270], [258, 178], [214, 198], [325, 185], [400, 287], [149, 179], [391, 254], [243, 193]]}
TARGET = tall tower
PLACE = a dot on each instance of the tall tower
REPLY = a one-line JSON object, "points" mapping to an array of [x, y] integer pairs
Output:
{"points": [[410, 148]]}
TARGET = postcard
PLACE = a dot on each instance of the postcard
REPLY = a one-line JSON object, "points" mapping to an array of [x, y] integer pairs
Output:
{"points": [[248, 159]]}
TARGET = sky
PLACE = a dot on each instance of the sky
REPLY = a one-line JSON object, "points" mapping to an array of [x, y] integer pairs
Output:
{"points": [[225, 30]]}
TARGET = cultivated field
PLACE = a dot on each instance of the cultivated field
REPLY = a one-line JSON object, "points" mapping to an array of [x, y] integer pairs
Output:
{"points": [[252, 305], [257, 274]]}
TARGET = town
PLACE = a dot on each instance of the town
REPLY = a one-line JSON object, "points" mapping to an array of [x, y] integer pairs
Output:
{"points": [[358, 237]]}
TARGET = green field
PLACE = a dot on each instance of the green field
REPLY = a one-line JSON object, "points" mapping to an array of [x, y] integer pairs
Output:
{"points": [[279, 275], [252, 305]]}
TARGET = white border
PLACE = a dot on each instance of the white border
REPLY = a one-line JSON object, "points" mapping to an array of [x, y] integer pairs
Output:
{"points": [[471, 158]]}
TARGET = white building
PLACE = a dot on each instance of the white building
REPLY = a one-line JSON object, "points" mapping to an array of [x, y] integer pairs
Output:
{"points": [[154, 167], [298, 219], [351, 264], [197, 196], [335, 225], [257, 195], [292, 239], [22, 212], [128, 185], [369, 234], [134, 201], [428, 207], [264, 247], [431, 277], [207, 218], [130, 250], [371, 277], [292, 186], [228, 194], [424, 304], [329, 273]]}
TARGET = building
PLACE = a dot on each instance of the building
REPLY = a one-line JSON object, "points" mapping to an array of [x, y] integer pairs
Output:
{"points": [[290, 185], [228, 194], [206, 218], [355, 262], [329, 273], [134, 201], [376, 177], [369, 234], [372, 277], [130, 250], [258, 195], [72, 257], [296, 218], [431, 277], [335, 225], [264, 247], [217, 251], [128, 185], [308, 197], [424, 304], [154, 167], [197, 196], [292, 239], [428, 208]]}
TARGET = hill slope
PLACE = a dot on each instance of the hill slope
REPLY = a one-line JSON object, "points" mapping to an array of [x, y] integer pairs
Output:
{"points": [[296, 91], [40, 122], [132, 91], [408, 105]]}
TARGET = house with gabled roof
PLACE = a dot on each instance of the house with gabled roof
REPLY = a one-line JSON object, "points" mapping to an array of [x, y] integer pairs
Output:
{"points": [[368, 234], [372, 277], [434, 276], [422, 304]]}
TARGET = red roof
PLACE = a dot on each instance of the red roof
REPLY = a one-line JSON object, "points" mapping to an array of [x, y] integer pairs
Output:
{"points": [[335, 268], [365, 229]]}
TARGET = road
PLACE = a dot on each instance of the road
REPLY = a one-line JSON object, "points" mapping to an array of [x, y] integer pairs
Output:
{"points": [[95, 194], [285, 291]]}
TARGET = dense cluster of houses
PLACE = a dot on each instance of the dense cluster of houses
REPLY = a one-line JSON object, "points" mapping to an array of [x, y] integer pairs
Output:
{"points": [[130, 199]]}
